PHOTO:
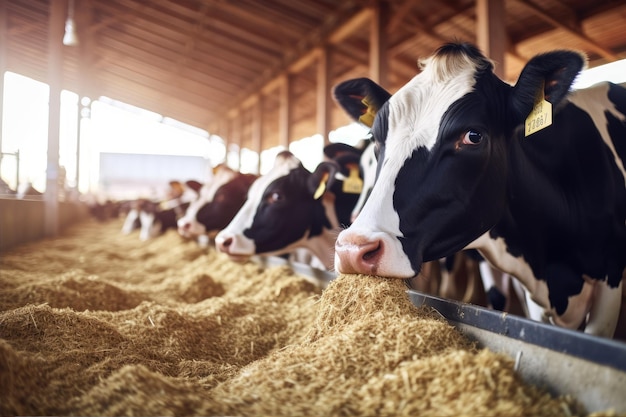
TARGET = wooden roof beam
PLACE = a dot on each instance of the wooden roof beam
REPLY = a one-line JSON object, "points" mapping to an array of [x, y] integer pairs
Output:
{"points": [[339, 35], [574, 32]]}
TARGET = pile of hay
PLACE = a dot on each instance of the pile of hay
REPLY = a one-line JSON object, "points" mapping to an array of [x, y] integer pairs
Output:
{"points": [[97, 323]]}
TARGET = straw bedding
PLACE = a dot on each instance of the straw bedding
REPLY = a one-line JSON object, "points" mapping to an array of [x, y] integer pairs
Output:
{"points": [[97, 323]]}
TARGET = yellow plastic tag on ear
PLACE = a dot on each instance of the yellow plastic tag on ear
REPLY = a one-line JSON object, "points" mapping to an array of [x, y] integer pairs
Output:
{"points": [[321, 188], [353, 184], [540, 117], [368, 117]]}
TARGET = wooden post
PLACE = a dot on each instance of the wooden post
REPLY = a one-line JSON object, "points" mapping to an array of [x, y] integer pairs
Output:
{"points": [[491, 35], [378, 44], [324, 66], [257, 130], [83, 12], [284, 120], [235, 137], [3, 64], [58, 11]]}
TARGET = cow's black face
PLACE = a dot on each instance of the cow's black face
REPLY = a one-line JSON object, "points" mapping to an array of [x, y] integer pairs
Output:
{"points": [[279, 214], [440, 194], [228, 199], [283, 215]]}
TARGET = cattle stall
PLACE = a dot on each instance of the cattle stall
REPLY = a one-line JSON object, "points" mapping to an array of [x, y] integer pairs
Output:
{"points": [[97, 322], [22, 220]]}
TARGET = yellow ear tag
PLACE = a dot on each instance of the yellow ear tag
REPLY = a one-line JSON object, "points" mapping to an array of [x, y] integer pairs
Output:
{"points": [[540, 117], [353, 184], [322, 187], [368, 117]]}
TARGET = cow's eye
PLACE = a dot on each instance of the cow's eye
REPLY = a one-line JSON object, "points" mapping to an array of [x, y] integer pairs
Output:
{"points": [[274, 197], [472, 137]]}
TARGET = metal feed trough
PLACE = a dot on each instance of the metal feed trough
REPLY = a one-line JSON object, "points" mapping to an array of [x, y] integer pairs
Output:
{"points": [[566, 362]]}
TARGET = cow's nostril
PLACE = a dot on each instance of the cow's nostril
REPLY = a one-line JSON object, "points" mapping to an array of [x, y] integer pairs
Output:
{"points": [[358, 255], [372, 254], [223, 244]]}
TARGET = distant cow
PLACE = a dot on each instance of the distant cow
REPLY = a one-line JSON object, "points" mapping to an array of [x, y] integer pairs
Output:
{"points": [[291, 207], [462, 165], [154, 218], [218, 201]]}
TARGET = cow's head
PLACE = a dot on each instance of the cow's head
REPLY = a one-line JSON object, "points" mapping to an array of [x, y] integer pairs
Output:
{"points": [[284, 208], [441, 143], [218, 201]]}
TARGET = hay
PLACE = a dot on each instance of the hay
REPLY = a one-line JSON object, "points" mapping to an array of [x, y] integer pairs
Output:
{"points": [[98, 323]]}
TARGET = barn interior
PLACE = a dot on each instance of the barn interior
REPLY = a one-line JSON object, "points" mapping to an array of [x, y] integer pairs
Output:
{"points": [[259, 75]]}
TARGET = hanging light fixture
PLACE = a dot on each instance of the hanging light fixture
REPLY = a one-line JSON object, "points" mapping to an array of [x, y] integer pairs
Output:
{"points": [[70, 38]]}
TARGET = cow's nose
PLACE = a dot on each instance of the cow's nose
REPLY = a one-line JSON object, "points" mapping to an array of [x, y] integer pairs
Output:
{"points": [[223, 244], [183, 228], [358, 255]]}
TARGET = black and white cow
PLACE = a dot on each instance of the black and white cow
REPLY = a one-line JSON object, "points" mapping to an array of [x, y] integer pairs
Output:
{"points": [[290, 207], [155, 217], [219, 199], [456, 171]]}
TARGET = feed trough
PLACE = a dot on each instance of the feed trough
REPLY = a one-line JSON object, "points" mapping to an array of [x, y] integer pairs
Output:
{"points": [[566, 362], [98, 323]]}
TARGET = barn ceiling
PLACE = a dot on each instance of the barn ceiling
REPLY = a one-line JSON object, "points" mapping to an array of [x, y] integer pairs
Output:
{"points": [[207, 62]]}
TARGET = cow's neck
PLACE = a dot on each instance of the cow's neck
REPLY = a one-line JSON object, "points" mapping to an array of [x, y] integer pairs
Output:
{"points": [[323, 245]]}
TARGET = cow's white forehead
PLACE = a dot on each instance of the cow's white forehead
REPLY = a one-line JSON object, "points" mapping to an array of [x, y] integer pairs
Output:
{"points": [[415, 111], [244, 218], [281, 167], [208, 190]]}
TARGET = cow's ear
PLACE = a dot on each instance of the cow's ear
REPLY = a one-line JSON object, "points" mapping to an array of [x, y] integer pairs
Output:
{"points": [[361, 98], [333, 150], [322, 178], [554, 72], [194, 185]]}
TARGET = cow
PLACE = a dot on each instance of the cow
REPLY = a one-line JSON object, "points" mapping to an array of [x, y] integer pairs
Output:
{"points": [[154, 217], [218, 201], [531, 175], [449, 274], [291, 207]]}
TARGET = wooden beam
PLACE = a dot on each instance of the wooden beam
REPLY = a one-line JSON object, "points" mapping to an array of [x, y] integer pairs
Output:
{"points": [[235, 139], [324, 103], [338, 36], [574, 32], [257, 130], [491, 32], [347, 29], [284, 117], [378, 44], [56, 26], [3, 63]]}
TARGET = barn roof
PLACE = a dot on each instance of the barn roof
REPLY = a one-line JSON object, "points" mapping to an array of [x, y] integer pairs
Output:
{"points": [[221, 65]]}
